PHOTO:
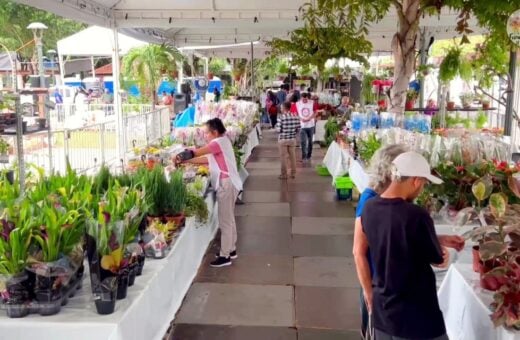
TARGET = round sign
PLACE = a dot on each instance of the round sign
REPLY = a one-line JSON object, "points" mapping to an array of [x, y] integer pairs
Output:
{"points": [[202, 82], [513, 27]]}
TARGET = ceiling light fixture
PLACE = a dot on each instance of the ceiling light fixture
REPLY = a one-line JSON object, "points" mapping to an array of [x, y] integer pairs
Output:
{"points": [[296, 17], [256, 20], [126, 16], [213, 19], [170, 21]]}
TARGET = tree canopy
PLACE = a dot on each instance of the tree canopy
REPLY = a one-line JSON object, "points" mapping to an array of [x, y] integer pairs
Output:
{"points": [[14, 19]]}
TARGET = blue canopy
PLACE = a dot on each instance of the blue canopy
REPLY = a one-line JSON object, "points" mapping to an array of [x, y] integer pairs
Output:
{"points": [[214, 84], [187, 118], [168, 87]]}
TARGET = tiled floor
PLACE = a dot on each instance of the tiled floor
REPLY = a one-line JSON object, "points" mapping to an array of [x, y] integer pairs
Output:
{"points": [[294, 278]]}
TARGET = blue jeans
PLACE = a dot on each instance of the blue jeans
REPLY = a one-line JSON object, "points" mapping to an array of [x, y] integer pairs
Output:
{"points": [[306, 135]]}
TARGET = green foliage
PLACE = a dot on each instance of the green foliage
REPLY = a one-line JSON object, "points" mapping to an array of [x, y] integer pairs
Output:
{"points": [[217, 66], [331, 130], [366, 92], [14, 19], [368, 146], [176, 202], [196, 206], [492, 59], [148, 63], [455, 64]]}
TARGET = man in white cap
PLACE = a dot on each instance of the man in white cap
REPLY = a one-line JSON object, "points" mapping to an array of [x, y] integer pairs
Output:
{"points": [[403, 245]]}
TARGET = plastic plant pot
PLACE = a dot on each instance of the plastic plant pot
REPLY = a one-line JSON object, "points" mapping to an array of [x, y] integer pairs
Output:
{"points": [[106, 302], [140, 264], [17, 311], [122, 283], [132, 274]]}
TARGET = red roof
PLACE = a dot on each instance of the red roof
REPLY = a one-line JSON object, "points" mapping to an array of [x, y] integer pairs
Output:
{"points": [[104, 70]]}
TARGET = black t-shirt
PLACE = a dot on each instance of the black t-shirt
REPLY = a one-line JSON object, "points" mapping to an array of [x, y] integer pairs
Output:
{"points": [[403, 244]]}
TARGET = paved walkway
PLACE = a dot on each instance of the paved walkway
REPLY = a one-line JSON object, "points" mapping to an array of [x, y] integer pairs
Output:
{"points": [[294, 277]]}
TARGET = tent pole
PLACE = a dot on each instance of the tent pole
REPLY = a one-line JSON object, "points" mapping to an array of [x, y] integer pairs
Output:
{"points": [[252, 69], [510, 95], [118, 107], [423, 59], [93, 66], [62, 68]]}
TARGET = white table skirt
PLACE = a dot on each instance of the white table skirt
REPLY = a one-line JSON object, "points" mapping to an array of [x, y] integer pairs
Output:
{"points": [[251, 143], [339, 162], [147, 311], [464, 304], [319, 134]]}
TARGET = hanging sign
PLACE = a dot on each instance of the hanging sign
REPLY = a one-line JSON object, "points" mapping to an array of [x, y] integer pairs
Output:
{"points": [[513, 27]]}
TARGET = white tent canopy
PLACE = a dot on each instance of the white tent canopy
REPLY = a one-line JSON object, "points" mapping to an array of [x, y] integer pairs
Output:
{"points": [[97, 42]]}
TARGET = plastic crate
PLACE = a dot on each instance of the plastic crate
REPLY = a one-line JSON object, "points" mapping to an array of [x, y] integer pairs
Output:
{"points": [[343, 194], [343, 183], [322, 170]]}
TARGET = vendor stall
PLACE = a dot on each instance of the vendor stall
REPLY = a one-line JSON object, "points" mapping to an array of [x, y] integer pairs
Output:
{"points": [[158, 292]]}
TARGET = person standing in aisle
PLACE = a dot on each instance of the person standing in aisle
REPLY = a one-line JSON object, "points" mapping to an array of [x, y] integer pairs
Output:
{"points": [[307, 116], [287, 126], [216, 92], [403, 245], [281, 96], [219, 154], [272, 107]]}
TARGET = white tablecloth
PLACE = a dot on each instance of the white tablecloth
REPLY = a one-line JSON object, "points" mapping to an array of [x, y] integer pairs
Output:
{"points": [[339, 162], [319, 134], [147, 311], [251, 143], [464, 304]]}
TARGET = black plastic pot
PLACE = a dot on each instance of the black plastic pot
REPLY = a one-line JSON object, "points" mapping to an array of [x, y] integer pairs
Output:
{"points": [[132, 274], [140, 264], [106, 302], [47, 289], [17, 290], [41, 122], [122, 283], [17, 311], [9, 175]]}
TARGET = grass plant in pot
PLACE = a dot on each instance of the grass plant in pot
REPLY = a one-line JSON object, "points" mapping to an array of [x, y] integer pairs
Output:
{"points": [[467, 99], [176, 199], [411, 97], [157, 192]]}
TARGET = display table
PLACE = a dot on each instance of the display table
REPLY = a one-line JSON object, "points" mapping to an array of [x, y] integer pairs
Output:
{"points": [[319, 134], [147, 311], [339, 162], [466, 307], [251, 143], [464, 304]]}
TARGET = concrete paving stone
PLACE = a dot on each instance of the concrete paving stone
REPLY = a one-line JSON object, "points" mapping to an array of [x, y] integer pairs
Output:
{"points": [[211, 332], [250, 269], [322, 209], [322, 186], [263, 209], [265, 183], [263, 165], [323, 225], [257, 196], [264, 225], [317, 196], [326, 334], [325, 272], [320, 245], [238, 304], [327, 307]]}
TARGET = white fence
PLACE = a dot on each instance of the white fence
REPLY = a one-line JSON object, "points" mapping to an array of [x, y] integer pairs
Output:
{"points": [[87, 147]]}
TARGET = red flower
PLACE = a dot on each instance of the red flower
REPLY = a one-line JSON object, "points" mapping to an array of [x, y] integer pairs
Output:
{"points": [[459, 168]]}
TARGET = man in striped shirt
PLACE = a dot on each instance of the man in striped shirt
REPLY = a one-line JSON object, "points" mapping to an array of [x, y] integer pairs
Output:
{"points": [[287, 126]]}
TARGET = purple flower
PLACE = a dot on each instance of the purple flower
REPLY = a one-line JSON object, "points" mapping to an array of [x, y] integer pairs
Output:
{"points": [[112, 243], [7, 227]]}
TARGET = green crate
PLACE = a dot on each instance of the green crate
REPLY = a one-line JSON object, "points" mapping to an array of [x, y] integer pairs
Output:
{"points": [[322, 170], [343, 183]]}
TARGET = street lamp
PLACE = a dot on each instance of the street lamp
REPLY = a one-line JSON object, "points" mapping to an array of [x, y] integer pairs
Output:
{"points": [[37, 28], [52, 55]]}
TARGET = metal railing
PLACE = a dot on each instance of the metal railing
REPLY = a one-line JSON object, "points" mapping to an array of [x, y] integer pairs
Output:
{"points": [[88, 147], [64, 115]]}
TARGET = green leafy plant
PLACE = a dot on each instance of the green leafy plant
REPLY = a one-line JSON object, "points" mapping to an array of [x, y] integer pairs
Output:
{"points": [[4, 146], [196, 206], [453, 65], [368, 146], [412, 95], [331, 130], [156, 189]]}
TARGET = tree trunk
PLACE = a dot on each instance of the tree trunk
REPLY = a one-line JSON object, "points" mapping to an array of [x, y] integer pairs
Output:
{"points": [[403, 48]]}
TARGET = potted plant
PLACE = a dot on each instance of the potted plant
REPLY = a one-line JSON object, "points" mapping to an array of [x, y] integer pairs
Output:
{"points": [[158, 237], [486, 104], [4, 151], [176, 198], [56, 233], [156, 189], [424, 69], [196, 206], [42, 122], [467, 99], [14, 279], [411, 97]]}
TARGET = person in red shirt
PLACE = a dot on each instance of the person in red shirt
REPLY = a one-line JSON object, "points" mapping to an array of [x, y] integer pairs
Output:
{"points": [[294, 109]]}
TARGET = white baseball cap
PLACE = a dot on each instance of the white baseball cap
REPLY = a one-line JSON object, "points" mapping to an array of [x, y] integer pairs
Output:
{"points": [[413, 164]]}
